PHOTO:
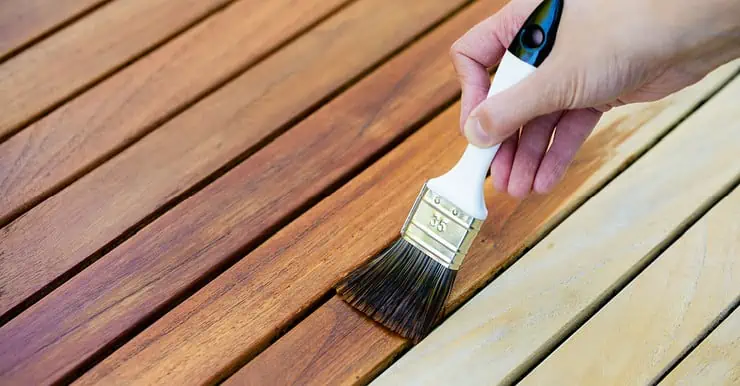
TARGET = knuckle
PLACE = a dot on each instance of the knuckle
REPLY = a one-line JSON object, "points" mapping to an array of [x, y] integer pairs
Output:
{"points": [[455, 52]]}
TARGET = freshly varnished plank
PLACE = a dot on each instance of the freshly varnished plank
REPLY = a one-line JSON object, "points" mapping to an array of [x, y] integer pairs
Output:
{"points": [[303, 346], [517, 318], [716, 361], [53, 69], [660, 313], [70, 226], [160, 262], [46, 154], [239, 312], [21, 21]]}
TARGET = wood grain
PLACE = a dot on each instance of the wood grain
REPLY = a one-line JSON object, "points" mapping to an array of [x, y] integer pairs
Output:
{"points": [[86, 51], [716, 361], [67, 228], [516, 319], [51, 152], [302, 346], [511, 227], [134, 281], [22, 21], [659, 314], [238, 313]]}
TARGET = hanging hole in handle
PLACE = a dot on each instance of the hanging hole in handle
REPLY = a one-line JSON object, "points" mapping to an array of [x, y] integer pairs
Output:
{"points": [[532, 36]]}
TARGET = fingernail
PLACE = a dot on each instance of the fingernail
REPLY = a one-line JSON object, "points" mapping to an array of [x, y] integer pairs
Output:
{"points": [[475, 133]]}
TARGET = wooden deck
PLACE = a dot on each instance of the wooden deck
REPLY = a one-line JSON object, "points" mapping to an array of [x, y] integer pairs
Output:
{"points": [[182, 182]]}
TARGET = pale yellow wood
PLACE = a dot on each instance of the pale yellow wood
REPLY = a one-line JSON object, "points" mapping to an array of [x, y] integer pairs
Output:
{"points": [[506, 328], [716, 361], [659, 314]]}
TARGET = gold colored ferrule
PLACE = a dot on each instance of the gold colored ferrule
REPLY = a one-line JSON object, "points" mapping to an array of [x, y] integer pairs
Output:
{"points": [[440, 229]]}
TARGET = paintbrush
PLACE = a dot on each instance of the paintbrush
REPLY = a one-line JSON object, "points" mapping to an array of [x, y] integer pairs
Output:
{"points": [[405, 287]]}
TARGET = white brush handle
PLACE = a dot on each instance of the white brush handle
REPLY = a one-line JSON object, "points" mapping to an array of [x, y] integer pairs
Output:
{"points": [[463, 184]]}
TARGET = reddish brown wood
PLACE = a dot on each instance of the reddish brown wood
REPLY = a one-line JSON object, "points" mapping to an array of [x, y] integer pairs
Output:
{"points": [[70, 226], [54, 150], [295, 355], [165, 258], [22, 21], [269, 287], [55, 68]]}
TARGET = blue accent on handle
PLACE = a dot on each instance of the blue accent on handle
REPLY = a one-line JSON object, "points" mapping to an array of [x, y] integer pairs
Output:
{"points": [[535, 39]]}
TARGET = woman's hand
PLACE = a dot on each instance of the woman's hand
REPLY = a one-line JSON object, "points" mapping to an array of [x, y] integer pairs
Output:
{"points": [[607, 53]]}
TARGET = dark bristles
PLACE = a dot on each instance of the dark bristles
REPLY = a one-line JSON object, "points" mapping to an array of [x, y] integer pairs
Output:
{"points": [[402, 288]]}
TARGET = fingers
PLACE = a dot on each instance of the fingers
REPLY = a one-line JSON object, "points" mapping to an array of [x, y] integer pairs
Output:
{"points": [[572, 130], [493, 120], [531, 150], [503, 161], [482, 47]]}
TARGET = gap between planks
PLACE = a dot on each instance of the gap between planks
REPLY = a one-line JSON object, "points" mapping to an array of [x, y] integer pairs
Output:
{"points": [[372, 107], [25, 22], [215, 323], [715, 361], [497, 337]]}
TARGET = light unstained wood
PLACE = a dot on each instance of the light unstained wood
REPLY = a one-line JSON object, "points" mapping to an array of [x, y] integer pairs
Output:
{"points": [[238, 313], [522, 314], [54, 150], [65, 229], [65, 62], [22, 21], [659, 314], [715, 361], [511, 227], [131, 283]]}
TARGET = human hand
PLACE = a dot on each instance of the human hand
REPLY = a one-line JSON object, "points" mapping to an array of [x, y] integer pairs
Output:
{"points": [[606, 54]]}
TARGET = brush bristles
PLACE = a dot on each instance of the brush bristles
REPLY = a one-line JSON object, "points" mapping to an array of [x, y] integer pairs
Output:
{"points": [[402, 288]]}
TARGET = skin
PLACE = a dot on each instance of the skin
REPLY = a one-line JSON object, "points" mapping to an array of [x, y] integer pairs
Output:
{"points": [[606, 54]]}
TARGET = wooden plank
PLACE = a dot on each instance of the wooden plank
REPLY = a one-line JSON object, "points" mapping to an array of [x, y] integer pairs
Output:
{"points": [[659, 314], [53, 151], [304, 346], [22, 21], [622, 134], [72, 225], [238, 313], [716, 361], [520, 316], [55, 68], [109, 299]]}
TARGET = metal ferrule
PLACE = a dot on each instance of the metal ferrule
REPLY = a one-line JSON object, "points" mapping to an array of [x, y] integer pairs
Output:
{"points": [[440, 229]]}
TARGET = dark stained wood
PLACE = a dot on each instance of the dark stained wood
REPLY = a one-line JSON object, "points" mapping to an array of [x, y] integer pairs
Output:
{"points": [[237, 314], [22, 21], [54, 150], [86, 51], [160, 262], [64, 230], [512, 227]]}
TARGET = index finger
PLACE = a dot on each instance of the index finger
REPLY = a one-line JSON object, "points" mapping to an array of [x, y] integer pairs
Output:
{"points": [[482, 47]]}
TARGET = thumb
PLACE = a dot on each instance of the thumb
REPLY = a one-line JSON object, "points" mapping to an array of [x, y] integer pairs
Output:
{"points": [[502, 114]]}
